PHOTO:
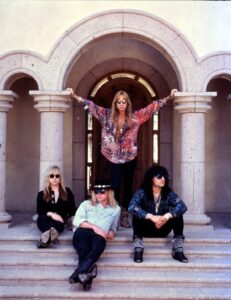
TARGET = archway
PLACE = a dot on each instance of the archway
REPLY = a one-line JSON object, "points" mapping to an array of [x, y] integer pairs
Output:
{"points": [[22, 155]]}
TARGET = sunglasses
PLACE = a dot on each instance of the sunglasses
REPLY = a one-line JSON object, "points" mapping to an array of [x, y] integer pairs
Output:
{"points": [[102, 191], [122, 102], [54, 175], [159, 176]]}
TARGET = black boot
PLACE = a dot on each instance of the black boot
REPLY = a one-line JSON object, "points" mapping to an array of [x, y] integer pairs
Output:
{"points": [[138, 254], [87, 285], [87, 278], [180, 256], [74, 277], [177, 249]]}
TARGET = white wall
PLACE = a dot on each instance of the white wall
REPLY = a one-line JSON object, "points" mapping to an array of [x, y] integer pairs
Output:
{"points": [[37, 25]]}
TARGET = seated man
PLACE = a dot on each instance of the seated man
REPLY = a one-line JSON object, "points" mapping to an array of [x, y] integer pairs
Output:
{"points": [[156, 211], [95, 222]]}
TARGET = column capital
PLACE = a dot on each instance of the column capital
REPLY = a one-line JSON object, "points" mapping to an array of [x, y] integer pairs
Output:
{"points": [[6, 99], [197, 102], [51, 101]]}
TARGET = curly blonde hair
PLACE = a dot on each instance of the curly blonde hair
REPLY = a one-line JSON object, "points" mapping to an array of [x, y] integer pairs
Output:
{"points": [[47, 187], [115, 111], [111, 198]]}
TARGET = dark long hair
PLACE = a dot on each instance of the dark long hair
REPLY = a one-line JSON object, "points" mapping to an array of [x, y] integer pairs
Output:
{"points": [[147, 183]]}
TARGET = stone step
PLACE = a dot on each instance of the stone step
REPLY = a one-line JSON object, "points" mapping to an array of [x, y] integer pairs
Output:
{"points": [[123, 237], [120, 291], [53, 274], [117, 263], [115, 249]]}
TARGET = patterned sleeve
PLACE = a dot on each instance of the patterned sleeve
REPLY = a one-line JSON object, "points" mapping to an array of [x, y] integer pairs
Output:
{"points": [[177, 206], [98, 112], [147, 112], [135, 206]]}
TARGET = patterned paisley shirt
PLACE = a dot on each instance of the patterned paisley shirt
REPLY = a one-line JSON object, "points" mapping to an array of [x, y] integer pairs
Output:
{"points": [[125, 148], [140, 206]]}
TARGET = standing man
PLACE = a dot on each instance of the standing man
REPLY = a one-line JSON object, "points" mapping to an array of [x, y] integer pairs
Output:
{"points": [[157, 211]]}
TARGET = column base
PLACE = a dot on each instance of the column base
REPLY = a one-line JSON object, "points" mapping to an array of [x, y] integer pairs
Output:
{"points": [[197, 219], [5, 219], [197, 223]]}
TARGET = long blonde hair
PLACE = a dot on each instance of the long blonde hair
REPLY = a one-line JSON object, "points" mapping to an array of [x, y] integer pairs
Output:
{"points": [[115, 111], [47, 188], [111, 198]]}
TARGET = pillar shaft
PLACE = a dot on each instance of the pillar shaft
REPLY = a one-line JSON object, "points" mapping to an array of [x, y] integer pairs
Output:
{"points": [[193, 107], [52, 106], [6, 99]]}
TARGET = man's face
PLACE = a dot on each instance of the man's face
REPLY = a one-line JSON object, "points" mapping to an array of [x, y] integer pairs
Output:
{"points": [[101, 195], [158, 181], [121, 103]]}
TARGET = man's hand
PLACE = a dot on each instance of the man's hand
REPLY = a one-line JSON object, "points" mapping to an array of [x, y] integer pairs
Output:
{"points": [[159, 221], [99, 231], [173, 91], [70, 90], [111, 235], [73, 95]]}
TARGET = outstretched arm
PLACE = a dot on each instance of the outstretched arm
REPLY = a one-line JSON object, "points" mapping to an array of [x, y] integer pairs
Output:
{"points": [[74, 96], [170, 97], [97, 111], [147, 112]]}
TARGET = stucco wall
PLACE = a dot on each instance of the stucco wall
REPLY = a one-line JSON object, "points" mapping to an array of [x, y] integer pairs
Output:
{"points": [[37, 25]]}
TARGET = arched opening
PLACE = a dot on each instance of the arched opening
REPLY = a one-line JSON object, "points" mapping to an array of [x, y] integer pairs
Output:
{"points": [[22, 149], [218, 148], [86, 76]]}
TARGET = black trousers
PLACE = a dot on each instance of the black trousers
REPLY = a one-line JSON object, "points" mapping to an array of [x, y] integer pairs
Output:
{"points": [[122, 175], [89, 247], [45, 223], [146, 228]]}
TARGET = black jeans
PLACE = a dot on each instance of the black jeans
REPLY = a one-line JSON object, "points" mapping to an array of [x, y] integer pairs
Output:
{"points": [[45, 223], [89, 247], [123, 175], [146, 228]]}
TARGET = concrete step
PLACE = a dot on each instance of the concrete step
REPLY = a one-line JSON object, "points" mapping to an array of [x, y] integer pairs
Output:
{"points": [[117, 263], [121, 291], [151, 277], [193, 249], [30, 273], [122, 239]]}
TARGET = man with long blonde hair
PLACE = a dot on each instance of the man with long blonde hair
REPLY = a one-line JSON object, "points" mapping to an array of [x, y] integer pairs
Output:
{"points": [[95, 222]]}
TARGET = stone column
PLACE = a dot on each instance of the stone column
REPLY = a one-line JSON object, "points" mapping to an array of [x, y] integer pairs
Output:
{"points": [[52, 106], [6, 99], [193, 107]]}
